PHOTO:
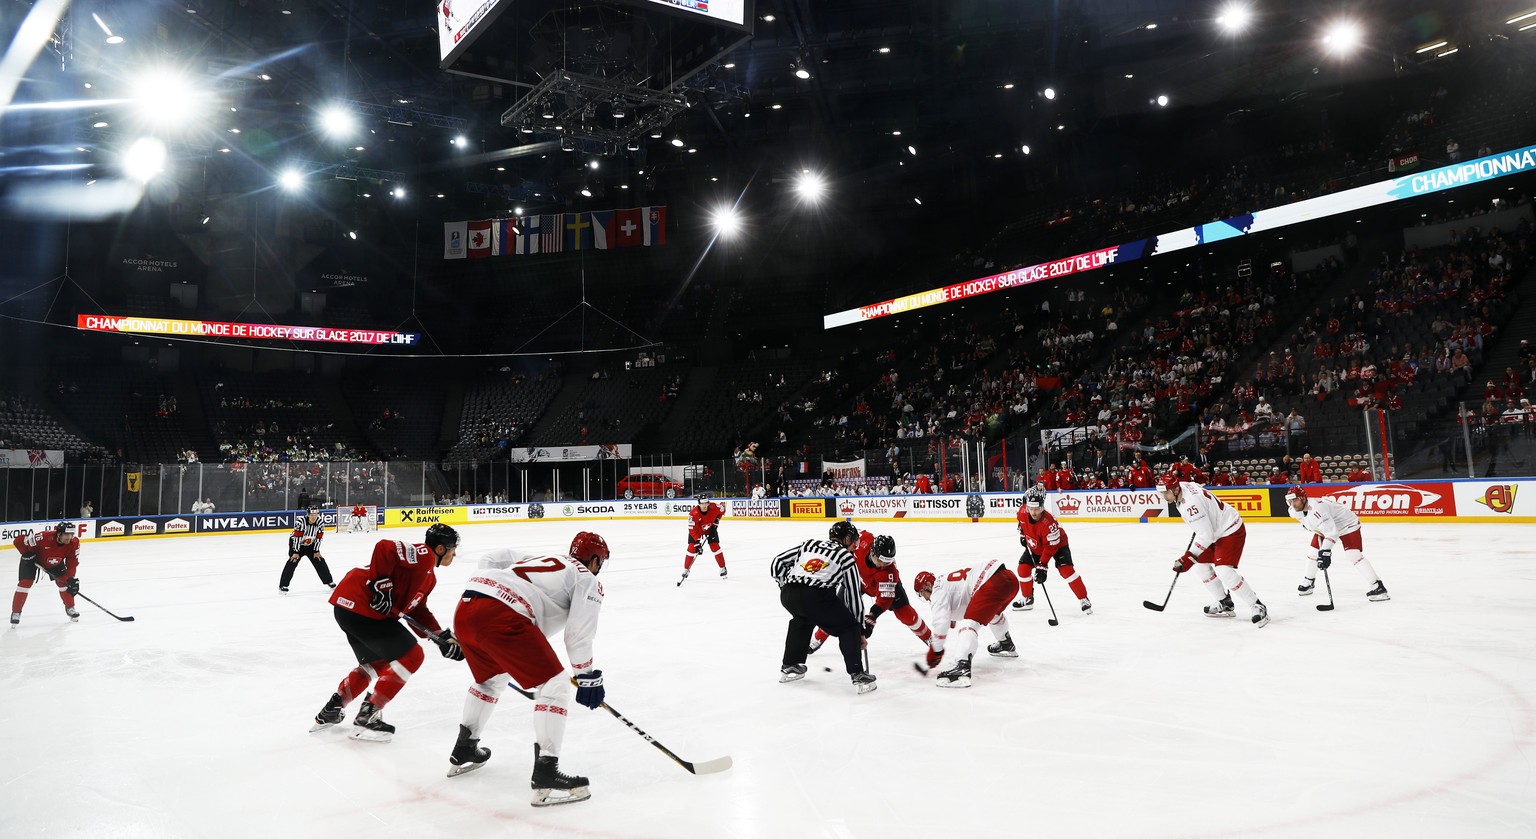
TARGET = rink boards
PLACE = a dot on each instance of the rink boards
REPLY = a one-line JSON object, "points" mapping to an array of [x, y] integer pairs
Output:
{"points": [[1468, 501]]}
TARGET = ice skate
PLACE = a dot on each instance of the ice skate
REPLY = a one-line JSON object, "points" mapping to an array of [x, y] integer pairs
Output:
{"points": [[1222, 608], [815, 645], [75, 615], [15, 618], [330, 715], [467, 755], [282, 589], [1024, 605], [722, 573], [1306, 588], [958, 676], [1087, 606], [865, 682], [1260, 614], [551, 786], [683, 579], [791, 673], [1003, 648], [370, 725], [1377, 593]]}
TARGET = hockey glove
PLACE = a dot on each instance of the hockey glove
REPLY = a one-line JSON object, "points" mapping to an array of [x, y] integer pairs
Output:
{"points": [[934, 657], [449, 646], [712, 535], [1324, 558], [1040, 574], [869, 624], [1184, 563], [382, 599], [73, 588], [57, 571], [589, 689]]}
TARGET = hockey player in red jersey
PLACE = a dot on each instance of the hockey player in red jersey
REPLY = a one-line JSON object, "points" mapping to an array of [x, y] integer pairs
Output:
{"points": [[54, 552], [358, 518], [703, 526], [369, 603], [1331, 524], [510, 608], [1044, 539], [876, 557], [968, 601], [1215, 548]]}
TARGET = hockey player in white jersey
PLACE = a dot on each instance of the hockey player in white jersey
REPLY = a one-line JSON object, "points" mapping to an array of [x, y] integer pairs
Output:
{"points": [[1331, 523], [1215, 549], [509, 608], [968, 599]]}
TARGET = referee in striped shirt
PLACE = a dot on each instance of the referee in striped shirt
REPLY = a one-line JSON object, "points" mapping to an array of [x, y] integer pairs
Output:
{"points": [[305, 542], [819, 586]]}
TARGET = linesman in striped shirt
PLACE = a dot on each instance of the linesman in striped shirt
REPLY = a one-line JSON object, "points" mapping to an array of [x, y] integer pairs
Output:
{"points": [[305, 542], [819, 586]]}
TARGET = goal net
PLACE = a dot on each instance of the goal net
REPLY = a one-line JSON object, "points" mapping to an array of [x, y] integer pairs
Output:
{"points": [[346, 522]]}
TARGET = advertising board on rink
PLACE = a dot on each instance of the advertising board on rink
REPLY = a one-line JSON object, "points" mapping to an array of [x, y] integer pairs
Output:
{"points": [[808, 508], [1113, 505], [754, 508], [423, 516], [1435, 499], [873, 506], [496, 512], [84, 529], [1250, 502]]}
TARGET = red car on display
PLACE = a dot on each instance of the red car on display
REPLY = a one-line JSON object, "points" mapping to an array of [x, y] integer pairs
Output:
{"points": [[649, 485]]}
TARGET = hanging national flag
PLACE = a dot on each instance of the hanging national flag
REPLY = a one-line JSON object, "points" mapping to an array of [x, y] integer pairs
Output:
{"points": [[552, 233], [576, 227], [602, 229], [627, 231], [656, 226], [453, 239], [479, 239], [501, 236], [528, 235]]}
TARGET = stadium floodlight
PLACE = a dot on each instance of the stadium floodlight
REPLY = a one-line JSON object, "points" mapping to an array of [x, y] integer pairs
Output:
{"points": [[912, 150], [112, 37], [1162, 100], [1517, 18], [398, 192], [460, 141], [337, 121], [810, 186], [1234, 17], [1342, 37], [726, 221], [677, 141], [352, 234], [586, 192], [1049, 93], [166, 98], [144, 159], [1025, 148], [1426, 48], [291, 180]]}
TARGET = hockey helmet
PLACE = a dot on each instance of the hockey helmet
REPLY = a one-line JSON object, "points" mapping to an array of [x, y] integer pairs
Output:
{"points": [[64, 529], [1035, 498], [701, 498], [590, 550], [843, 532], [441, 534], [1169, 481], [883, 546], [1294, 492], [923, 581]]}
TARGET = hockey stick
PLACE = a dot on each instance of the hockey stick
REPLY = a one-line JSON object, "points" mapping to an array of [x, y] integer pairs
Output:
{"points": [[1326, 607], [1169, 596], [123, 618], [1052, 619], [920, 668]]}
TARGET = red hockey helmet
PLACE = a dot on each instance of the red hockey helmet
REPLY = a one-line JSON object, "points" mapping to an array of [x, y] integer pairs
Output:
{"points": [[923, 581], [1170, 481], [590, 550], [1293, 493]]}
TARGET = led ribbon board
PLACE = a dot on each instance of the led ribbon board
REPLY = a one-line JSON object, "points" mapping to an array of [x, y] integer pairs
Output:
{"points": [[459, 23], [245, 331], [733, 12], [1350, 200]]}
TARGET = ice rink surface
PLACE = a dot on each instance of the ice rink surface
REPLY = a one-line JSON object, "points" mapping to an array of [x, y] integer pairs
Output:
{"points": [[1407, 718]]}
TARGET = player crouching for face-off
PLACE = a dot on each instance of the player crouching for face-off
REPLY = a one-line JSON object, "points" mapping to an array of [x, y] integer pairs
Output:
{"points": [[1331, 523], [54, 552], [819, 585], [1215, 548], [509, 608], [369, 604], [968, 601]]}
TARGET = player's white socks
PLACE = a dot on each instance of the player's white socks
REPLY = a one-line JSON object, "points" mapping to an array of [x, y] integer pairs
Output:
{"points": [[551, 702], [966, 639], [1363, 565], [999, 627], [1236, 585], [480, 702], [1208, 576]]}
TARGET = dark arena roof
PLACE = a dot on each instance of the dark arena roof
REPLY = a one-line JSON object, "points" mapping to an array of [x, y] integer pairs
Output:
{"points": [[295, 162]]}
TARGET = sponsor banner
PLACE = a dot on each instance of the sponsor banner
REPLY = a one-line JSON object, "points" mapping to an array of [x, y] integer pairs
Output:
{"points": [[873, 506], [248, 331], [496, 512], [937, 506], [178, 525], [84, 529], [552, 454], [31, 459], [1496, 499], [237, 522], [809, 508], [423, 516], [749, 508], [843, 469], [1250, 502], [1119, 504], [1417, 500]]}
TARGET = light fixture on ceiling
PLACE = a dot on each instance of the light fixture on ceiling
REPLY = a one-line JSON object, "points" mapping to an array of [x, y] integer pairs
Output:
{"points": [[1049, 93], [291, 180], [1342, 37], [1436, 45], [810, 186], [1234, 17], [777, 106], [885, 50], [912, 150], [1162, 100], [112, 37], [1024, 148], [586, 192], [802, 71], [677, 141]]}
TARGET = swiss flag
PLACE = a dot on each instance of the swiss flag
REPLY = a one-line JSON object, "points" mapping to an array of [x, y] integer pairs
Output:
{"points": [[629, 228], [479, 239]]}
